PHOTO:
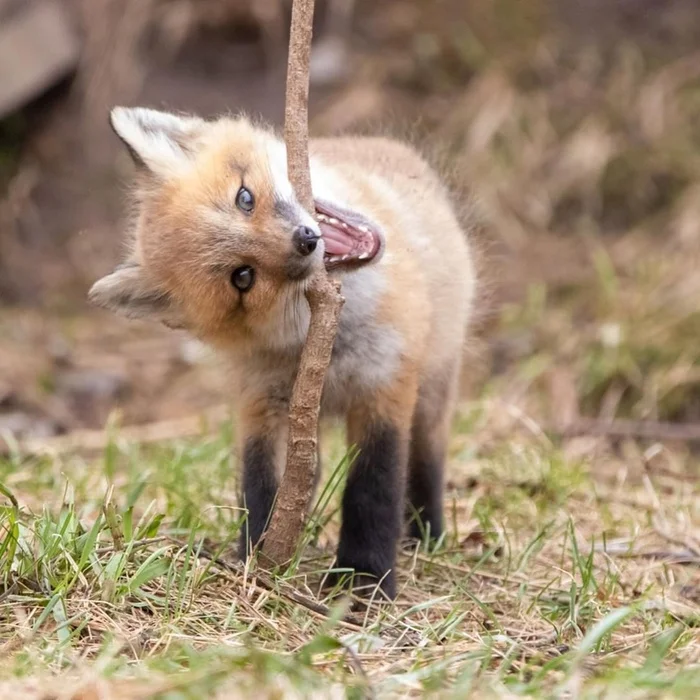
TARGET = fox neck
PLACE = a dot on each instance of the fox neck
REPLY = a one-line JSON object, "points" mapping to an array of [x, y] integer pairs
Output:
{"points": [[285, 329]]}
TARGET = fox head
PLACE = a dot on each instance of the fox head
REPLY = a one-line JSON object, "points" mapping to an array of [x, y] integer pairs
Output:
{"points": [[219, 237], [220, 245]]}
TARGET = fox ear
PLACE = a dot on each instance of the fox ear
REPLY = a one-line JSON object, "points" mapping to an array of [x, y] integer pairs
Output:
{"points": [[159, 141], [126, 292]]}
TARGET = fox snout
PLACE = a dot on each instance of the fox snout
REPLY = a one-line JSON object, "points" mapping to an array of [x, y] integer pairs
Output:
{"points": [[305, 240], [301, 259]]}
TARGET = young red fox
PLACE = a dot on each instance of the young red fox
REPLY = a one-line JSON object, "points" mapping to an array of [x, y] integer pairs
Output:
{"points": [[222, 248]]}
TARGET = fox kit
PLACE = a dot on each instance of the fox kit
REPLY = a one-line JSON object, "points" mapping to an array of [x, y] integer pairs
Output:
{"points": [[221, 247]]}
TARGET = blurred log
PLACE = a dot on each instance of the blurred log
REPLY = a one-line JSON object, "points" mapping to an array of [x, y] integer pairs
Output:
{"points": [[37, 49], [111, 68], [90, 442]]}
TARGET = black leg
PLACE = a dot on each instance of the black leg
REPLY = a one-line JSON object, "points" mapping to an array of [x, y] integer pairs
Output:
{"points": [[259, 490], [426, 464], [372, 505], [425, 489]]}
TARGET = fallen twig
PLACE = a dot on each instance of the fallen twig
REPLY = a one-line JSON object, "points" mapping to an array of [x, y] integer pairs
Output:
{"points": [[279, 587], [135, 544], [684, 542], [356, 664], [292, 594], [623, 551], [641, 430]]}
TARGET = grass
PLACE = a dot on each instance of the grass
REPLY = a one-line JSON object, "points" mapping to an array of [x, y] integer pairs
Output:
{"points": [[560, 574]]}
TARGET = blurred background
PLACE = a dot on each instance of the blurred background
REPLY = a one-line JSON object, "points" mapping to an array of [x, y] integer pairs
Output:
{"points": [[568, 128]]}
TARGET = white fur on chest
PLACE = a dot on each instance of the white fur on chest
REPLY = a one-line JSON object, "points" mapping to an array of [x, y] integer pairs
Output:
{"points": [[366, 352]]}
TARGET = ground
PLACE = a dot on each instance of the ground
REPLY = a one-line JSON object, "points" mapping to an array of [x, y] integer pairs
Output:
{"points": [[571, 565]]}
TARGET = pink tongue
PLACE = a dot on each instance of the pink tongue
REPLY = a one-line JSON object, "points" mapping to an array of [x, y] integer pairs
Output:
{"points": [[336, 242]]}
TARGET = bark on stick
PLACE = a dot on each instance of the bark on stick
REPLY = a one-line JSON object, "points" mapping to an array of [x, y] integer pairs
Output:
{"points": [[296, 490]]}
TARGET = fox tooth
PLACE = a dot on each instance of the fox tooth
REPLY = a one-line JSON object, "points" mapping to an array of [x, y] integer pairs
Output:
{"points": [[343, 224], [364, 229], [363, 256], [333, 221]]}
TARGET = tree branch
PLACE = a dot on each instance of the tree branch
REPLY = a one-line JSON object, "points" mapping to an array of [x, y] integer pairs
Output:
{"points": [[296, 102], [325, 302]]}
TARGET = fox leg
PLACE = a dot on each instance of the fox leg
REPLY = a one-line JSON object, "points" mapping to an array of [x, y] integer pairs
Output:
{"points": [[263, 427], [373, 500], [429, 438]]}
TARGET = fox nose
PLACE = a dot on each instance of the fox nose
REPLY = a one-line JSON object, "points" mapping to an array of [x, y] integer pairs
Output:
{"points": [[305, 240]]}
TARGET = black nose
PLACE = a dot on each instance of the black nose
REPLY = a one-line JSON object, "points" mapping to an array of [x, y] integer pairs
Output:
{"points": [[305, 240]]}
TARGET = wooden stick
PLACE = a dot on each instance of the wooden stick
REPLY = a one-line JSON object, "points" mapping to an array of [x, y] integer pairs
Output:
{"points": [[296, 102], [325, 302]]}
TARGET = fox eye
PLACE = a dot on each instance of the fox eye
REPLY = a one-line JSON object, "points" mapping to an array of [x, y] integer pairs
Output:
{"points": [[242, 278], [245, 200]]}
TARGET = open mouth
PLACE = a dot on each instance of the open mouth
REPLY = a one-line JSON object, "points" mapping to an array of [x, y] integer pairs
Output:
{"points": [[348, 237]]}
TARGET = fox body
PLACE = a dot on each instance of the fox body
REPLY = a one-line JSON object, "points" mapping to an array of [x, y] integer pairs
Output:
{"points": [[221, 247]]}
